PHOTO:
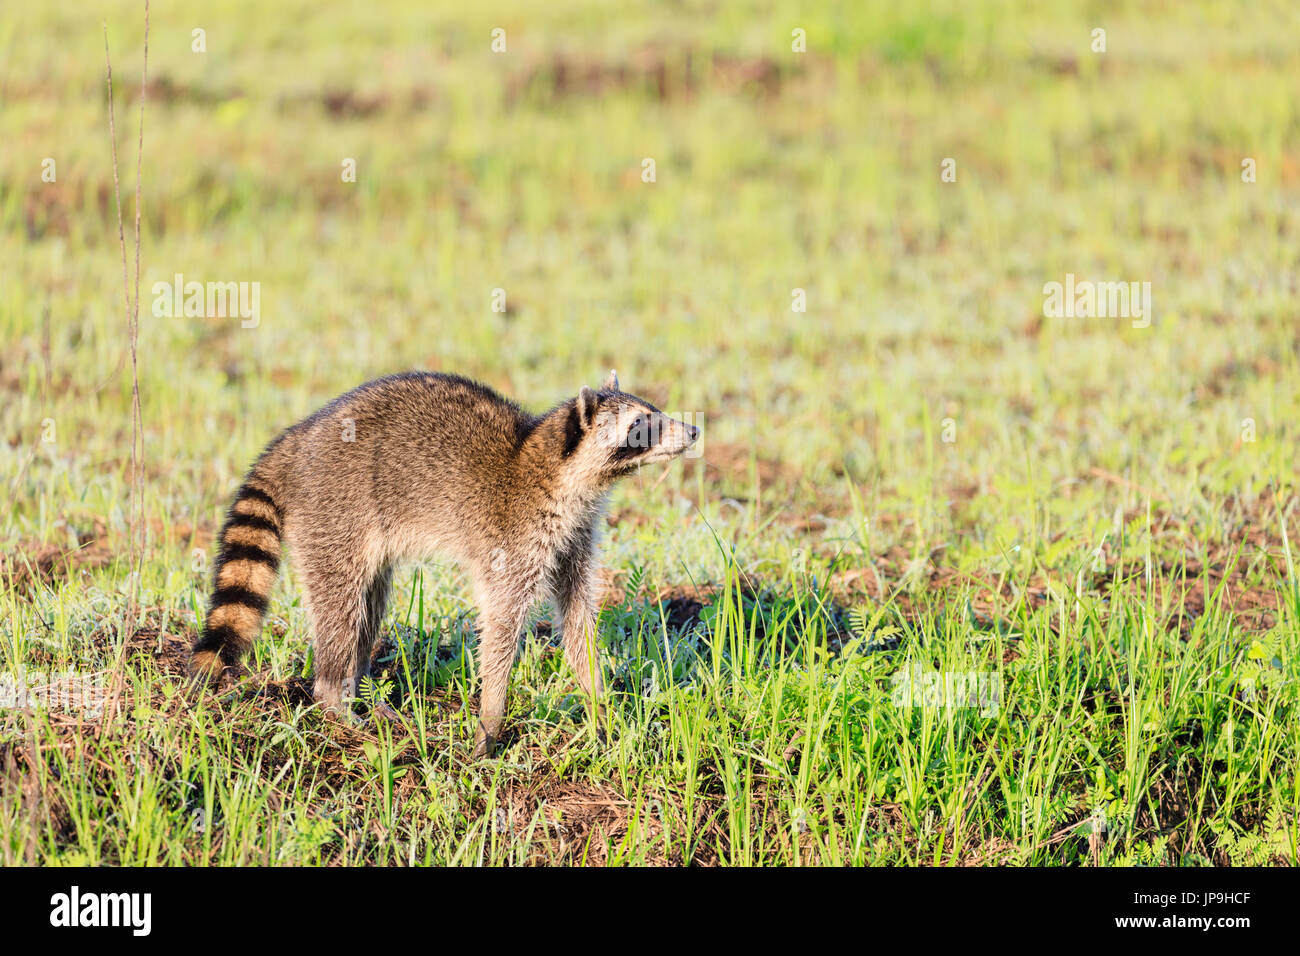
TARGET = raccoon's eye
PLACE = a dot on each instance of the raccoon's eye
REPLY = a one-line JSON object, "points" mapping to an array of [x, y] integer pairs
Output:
{"points": [[637, 425]]}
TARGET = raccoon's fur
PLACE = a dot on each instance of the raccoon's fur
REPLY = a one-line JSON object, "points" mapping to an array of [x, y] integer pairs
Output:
{"points": [[419, 464]]}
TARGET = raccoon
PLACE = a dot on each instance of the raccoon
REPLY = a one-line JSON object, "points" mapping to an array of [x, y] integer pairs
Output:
{"points": [[421, 464]]}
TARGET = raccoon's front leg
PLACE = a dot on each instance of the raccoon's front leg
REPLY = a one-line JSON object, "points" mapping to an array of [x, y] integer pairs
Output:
{"points": [[503, 600], [573, 589], [376, 603], [498, 639]]}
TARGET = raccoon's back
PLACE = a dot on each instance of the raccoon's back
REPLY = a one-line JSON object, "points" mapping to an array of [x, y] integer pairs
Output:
{"points": [[410, 441]]}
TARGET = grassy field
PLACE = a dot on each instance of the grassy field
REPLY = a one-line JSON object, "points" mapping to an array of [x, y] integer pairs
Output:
{"points": [[954, 581]]}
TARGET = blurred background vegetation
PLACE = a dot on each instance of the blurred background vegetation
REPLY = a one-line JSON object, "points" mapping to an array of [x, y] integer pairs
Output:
{"points": [[775, 171]]}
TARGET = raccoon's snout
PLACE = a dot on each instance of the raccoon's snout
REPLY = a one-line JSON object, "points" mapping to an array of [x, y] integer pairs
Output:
{"points": [[642, 435], [681, 437]]}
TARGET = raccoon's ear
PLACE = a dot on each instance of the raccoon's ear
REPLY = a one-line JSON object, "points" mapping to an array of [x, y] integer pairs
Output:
{"points": [[587, 404], [611, 383]]}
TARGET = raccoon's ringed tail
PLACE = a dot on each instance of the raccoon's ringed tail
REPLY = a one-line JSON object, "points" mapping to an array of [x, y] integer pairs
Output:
{"points": [[247, 562]]}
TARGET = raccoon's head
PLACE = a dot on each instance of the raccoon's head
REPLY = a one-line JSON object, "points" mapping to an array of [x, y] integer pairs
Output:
{"points": [[610, 433]]}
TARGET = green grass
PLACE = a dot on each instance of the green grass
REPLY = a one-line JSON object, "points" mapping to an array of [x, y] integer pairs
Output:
{"points": [[1094, 520]]}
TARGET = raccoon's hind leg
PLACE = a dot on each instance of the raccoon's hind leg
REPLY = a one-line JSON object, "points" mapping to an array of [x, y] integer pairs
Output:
{"points": [[346, 595]]}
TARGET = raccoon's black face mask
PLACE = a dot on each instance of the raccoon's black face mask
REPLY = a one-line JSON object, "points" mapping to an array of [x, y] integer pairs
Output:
{"points": [[624, 432]]}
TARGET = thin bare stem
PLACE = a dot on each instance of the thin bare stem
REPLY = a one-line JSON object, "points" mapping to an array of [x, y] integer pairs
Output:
{"points": [[117, 193], [137, 424], [132, 311]]}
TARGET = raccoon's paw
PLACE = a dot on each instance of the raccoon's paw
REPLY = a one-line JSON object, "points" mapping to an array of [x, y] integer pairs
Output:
{"points": [[484, 745], [381, 710], [343, 715], [597, 721], [342, 712]]}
